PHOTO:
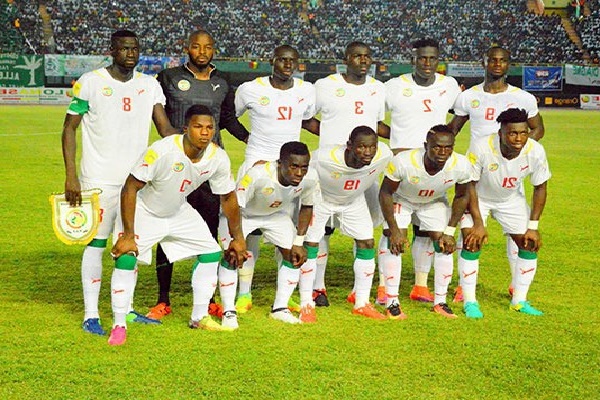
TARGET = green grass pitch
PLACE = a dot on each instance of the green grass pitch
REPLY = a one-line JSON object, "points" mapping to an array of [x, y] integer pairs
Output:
{"points": [[506, 355]]}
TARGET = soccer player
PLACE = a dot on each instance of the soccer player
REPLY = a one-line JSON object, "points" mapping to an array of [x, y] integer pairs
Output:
{"points": [[416, 183], [500, 166], [267, 194], [154, 210], [346, 101], [114, 106], [195, 82], [278, 107], [417, 101], [345, 173], [482, 104]]}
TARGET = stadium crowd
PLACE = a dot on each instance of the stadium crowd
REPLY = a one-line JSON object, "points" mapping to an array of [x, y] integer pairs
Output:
{"points": [[319, 32], [588, 29]]}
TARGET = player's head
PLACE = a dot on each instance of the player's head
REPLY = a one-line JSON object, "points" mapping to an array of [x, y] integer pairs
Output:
{"points": [[361, 147], [439, 146], [293, 163], [284, 62], [358, 59], [496, 62], [514, 130], [124, 49], [425, 59], [200, 48], [199, 125]]}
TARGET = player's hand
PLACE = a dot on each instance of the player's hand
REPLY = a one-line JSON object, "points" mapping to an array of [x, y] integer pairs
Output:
{"points": [[73, 191], [447, 244], [398, 242], [124, 245], [236, 253], [475, 239], [532, 240], [299, 256]]}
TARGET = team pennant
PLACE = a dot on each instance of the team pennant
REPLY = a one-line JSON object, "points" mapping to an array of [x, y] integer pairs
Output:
{"points": [[79, 224]]}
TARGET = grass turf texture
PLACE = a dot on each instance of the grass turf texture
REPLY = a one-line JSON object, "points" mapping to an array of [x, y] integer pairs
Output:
{"points": [[505, 355]]}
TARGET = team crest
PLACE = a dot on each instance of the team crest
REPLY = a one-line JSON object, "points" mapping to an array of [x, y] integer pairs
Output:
{"points": [[264, 101], [414, 180], [340, 92], [107, 91], [407, 92], [475, 104], [268, 191], [493, 167], [178, 167], [336, 175], [184, 85]]}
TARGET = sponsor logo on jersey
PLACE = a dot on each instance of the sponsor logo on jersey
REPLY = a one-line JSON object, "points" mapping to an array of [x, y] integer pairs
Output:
{"points": [[184, 85], [336, 175], [493, 167], [475, 104], [264, 101], [524, 167], [443, 92], [178, 167], [107, 91], [268, 191], [300, 100], [414, 180], [407, 92], [340, 92], [448, 181], [141, 91]]}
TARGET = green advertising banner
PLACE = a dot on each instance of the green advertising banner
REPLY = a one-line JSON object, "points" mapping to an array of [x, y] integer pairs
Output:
{"points": [[21, 71]]}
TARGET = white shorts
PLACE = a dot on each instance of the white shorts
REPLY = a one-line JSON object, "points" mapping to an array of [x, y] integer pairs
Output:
{"points": [[181, 236], [277, 228], [372, 198], [512, 215], [110, 199], [431, 217], [353, 220]]}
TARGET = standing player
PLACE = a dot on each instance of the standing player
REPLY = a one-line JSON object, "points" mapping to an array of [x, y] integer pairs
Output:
{"points": [[419, 179], [195, 82], [278, 106], [482, 104], [346, 101], [267, 193], [345, 173], [154, 210], [418, 101], [114, 106], [500, 166]]}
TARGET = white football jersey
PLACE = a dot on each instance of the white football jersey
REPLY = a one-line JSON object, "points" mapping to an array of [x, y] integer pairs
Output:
{"points": [[341, 184], [275, 115], [483, 108], [416, 185], [344, 106], [415, 109], [500, 179], [260, 193], [116, 122], [171, 176]]}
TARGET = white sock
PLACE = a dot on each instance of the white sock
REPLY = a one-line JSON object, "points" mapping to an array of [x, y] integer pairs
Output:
{"points": [[246, 273], [287, 280], [468, 277], [227, 287], [443, 266], [306, 281], [363, 280], [422, 254], [135, 276], [204, 282], [526, 269], [322, 256], [383, 247], [512, 252], [391, 266], [91, 279], [122, 285]]}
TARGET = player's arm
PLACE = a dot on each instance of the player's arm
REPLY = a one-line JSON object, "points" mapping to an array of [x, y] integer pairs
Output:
{"points": [[536, 127], [228, 119], [532, 239], [126, 242], [457, 122], [386, 200], [69, 150], [476, 236], [383, 130], [298, 249], [236, 253], [312, 125], [161, 121]]}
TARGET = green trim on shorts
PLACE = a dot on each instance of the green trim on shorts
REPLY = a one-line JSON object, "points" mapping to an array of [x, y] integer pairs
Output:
{"points": [[99, 243], [126, 262], [288, 264], [365, 254], [210, 257], [527, 255], [470, 255], [436, 246], [312, 251]]}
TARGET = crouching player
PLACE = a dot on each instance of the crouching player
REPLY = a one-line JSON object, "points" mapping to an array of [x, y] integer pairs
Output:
{"points": [[266, 194], [416, 182], [500, 165], [154, 210]]}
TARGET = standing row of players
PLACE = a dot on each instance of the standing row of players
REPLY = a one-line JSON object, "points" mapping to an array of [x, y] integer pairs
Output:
{"points": [[348, 165]]}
